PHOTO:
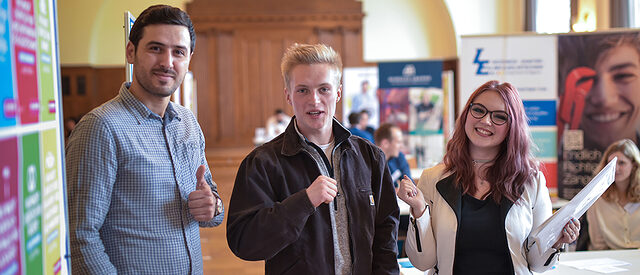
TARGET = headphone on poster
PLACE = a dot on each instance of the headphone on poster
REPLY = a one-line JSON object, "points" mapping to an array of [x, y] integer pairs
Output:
{"points": [[577, 85]]}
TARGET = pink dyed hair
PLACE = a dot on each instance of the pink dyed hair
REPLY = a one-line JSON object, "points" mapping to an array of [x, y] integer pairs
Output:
{"points": [[513, 167]]}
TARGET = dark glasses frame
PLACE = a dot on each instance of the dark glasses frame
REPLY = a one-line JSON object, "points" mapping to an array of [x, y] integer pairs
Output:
{"points": [[492, 114]]}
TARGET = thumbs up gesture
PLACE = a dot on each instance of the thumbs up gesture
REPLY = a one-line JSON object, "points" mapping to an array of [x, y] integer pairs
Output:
{"points": [[202, 202]]}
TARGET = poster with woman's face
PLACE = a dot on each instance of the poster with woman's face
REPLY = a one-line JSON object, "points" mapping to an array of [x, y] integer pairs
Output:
{"points": [[599, 101]]}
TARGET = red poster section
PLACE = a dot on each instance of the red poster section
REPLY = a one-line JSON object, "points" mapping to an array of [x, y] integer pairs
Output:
{"points": [[23, 33]]}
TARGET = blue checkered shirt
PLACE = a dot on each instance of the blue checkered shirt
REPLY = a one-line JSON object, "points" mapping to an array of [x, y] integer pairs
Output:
{"points": [[129, 175]]}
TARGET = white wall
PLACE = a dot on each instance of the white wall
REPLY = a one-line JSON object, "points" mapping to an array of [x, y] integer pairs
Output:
{"points": [[407, 30], [91, 31], [424, 29]]}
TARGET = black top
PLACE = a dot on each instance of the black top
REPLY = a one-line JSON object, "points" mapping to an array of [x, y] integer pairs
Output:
{"points": [[481, 242]]}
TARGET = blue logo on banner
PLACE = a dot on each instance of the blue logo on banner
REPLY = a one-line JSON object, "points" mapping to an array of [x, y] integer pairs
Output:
{"points": [[410, 74], [480, 62], [540, 112]]}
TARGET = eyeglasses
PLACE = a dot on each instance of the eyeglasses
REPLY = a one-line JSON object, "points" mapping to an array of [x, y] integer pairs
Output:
{"points": [[478, 111]]}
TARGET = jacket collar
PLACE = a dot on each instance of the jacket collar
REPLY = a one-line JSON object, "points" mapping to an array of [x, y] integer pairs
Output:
{"points": [[293, 143], [453, 196]]}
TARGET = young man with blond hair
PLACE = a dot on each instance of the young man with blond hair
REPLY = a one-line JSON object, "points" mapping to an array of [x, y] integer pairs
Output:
{"points": [[315, 200]]}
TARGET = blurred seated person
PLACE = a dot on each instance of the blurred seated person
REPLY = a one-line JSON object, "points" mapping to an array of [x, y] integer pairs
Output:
{"points": [[276, 124], [389, 138], [364, 122], [69, 125], [614, 219], [357, 127]]}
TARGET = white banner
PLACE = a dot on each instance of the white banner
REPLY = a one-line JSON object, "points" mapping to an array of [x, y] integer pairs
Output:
{"points": [[529, 62]]}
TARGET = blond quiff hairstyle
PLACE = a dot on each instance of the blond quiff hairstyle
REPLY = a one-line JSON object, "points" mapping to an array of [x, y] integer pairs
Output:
{"points": [[307, 54]]}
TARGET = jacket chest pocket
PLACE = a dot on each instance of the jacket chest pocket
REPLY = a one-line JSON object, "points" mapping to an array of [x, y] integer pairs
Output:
{"points": [[366, 195], [364, 205]]}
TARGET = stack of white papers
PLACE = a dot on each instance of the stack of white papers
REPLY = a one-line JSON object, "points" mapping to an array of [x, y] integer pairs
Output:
{"points": [[600, 265], [550, 231]]}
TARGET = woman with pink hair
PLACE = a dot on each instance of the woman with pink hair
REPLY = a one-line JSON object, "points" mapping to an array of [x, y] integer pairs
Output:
{"points": [[473, 213]]}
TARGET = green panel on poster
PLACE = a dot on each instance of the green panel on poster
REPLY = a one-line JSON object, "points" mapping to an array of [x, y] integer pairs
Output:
{"points": [[45, 59], [51, 194], [31, 204]]}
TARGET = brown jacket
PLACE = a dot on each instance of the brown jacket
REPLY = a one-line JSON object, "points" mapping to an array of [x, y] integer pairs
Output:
{"points": [[271, 218]]}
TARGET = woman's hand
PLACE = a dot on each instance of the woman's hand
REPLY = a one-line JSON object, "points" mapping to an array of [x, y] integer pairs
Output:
{"points": [[409, 193], [569, 233]]}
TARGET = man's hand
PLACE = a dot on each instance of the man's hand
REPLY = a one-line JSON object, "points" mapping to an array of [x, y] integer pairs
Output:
{"points": [[202, 202], [323, 189]]}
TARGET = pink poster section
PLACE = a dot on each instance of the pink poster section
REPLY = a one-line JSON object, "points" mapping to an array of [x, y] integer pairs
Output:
{"points": [[9, 217]]}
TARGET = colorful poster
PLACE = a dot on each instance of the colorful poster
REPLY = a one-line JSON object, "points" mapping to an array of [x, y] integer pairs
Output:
{"points": [[540, 112], [545, 142], [394, 107], [599, 93], [31, 204], [32, 213], [51, 212], [23, 37], [550, 171], [359, 86], [45, 61], [7, 102], [425, 117], [412, 98], [410, 74], [10, 249]]}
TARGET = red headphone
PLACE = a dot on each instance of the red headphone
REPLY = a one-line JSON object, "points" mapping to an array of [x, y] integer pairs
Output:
{"points": [[577, 85]]}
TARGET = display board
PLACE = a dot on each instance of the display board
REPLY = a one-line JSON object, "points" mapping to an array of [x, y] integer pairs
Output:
{"points": [[359, 86], [578, 89], [32, 213], [598, 83], [411, 96]]}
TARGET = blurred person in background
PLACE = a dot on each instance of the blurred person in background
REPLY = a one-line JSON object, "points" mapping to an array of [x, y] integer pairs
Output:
{"points": [[358, 124], [390, 139], [276, 124], [614, 219]]}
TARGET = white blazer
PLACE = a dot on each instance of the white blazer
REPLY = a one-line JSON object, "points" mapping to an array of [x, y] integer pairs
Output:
{"points": [[437, 227]]}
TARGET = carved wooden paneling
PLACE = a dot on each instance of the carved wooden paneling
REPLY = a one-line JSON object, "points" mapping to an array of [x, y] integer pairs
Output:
{"points": [[237, 58]]}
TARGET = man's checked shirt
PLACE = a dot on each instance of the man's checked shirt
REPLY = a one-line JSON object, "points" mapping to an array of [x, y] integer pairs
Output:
{"points": [[129, 175]]}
